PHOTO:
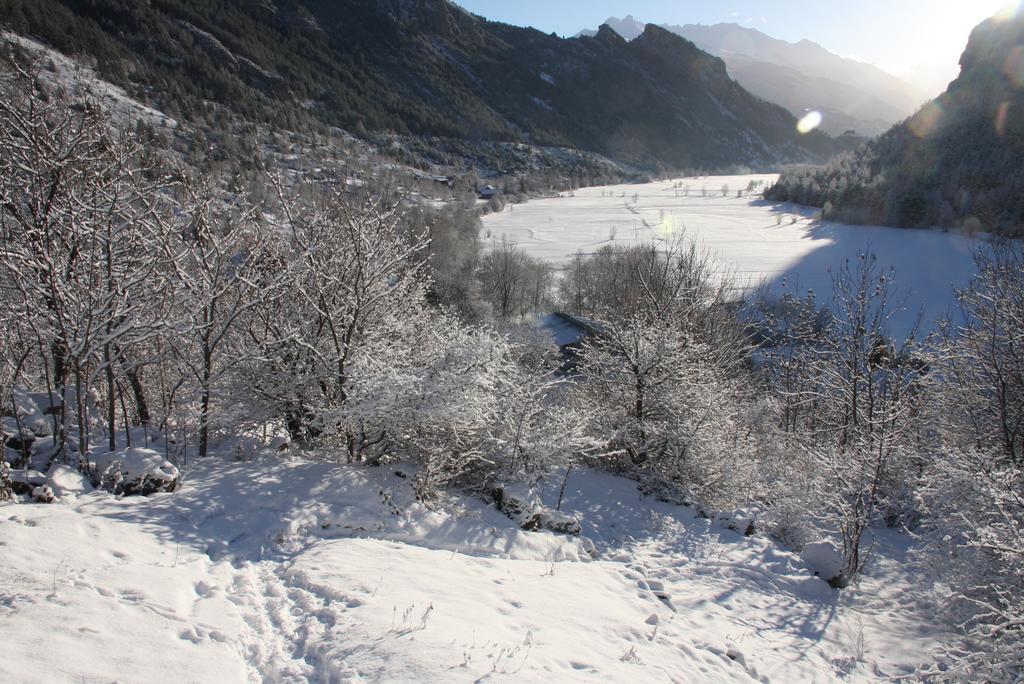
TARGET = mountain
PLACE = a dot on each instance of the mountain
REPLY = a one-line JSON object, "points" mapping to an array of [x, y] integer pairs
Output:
{"points": [[801, 76], [957, 162], [629, 28], [426, 69]]}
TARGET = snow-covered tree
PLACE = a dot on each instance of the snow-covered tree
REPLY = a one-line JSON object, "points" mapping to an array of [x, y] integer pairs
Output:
{"points": [[981, 364], [350, 351], [974, 495], [350, 285], [661, 381], [849, 400], [218, 271], [79, 240]]}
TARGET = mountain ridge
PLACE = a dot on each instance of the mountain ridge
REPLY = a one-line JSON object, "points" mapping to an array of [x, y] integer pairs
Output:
{"points": [[425, 68], [800, 76]]}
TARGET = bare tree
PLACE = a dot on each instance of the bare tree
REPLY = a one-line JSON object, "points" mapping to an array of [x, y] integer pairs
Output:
{"points": [[503, 275], [513, 282]]}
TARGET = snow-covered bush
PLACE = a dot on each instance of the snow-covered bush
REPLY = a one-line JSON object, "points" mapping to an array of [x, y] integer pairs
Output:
{"points": [[849, 402], [975, 533], [6, 491], [43, 494], [661, 384], [135, 470], [826, 561], [525, 508], [63, 480]]}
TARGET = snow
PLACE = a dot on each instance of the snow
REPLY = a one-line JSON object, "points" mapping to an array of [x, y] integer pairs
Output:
{"points": [[81, 80], [283, 569], [824, 558], [90, 597], [65, 481], [782, 245], [30, 415], [136, 463]]}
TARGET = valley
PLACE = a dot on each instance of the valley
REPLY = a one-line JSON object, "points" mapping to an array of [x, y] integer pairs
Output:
{"points": [[783, 247], [351, 341]]}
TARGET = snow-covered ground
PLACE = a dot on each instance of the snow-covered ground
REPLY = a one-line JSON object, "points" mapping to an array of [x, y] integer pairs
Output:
{"points": [[756, 241], [288, 570]]}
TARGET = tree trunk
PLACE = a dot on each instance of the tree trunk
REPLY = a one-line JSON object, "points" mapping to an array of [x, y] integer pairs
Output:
{"points": [[138, 392], [111, 405], [204, 403]]}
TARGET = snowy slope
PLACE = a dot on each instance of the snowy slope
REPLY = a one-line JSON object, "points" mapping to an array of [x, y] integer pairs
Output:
{"points": [[298, 571], [780, 244], [80, 81]]}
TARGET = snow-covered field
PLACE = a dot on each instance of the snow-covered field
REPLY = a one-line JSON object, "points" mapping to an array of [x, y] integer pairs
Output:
{"points": [[295, 571], [756, 241]]}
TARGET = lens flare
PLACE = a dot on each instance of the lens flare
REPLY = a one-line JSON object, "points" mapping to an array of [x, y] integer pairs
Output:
{"points": [[1001, 116], [1014, 66], [1009, 12], [809, 122], [668, 226], [927, 120]]}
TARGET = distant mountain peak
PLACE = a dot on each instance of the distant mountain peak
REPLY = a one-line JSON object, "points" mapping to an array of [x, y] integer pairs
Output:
{"points": [[800, 76], [607, 34], [629, 28]]}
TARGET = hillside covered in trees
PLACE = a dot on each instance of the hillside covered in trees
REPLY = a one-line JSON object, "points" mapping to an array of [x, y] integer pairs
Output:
{"points": [[956, 162], [425, 70]]}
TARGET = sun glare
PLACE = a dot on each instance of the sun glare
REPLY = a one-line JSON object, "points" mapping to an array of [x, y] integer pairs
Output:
{"points": [[927, 120], [1014, 66], [1008, 12], [809, 122]]}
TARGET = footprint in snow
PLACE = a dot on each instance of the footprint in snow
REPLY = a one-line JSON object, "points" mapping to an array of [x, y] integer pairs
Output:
{"points": [[197, 634], [190, 634], [204, 590], [658, 589]]}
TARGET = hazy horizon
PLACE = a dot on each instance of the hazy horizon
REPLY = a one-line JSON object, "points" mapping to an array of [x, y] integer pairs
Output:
{"points": [[872, 31]]}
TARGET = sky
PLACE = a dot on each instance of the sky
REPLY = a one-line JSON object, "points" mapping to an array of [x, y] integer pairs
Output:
{"points": [[897, 35]]}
